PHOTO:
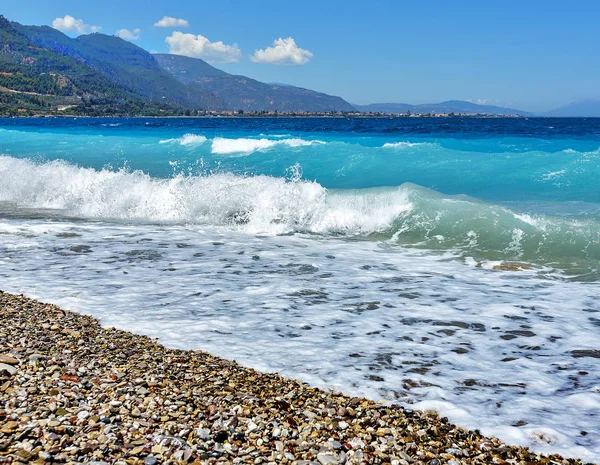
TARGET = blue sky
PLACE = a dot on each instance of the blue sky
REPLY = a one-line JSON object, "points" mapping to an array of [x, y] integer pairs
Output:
{"points": [[534, 55]]}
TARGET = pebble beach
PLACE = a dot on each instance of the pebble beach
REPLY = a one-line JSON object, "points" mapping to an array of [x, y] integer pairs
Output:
{"points": [[72, 391]]}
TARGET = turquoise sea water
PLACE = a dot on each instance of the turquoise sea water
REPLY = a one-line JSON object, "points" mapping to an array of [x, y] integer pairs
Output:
{"points": [[419, 260]]}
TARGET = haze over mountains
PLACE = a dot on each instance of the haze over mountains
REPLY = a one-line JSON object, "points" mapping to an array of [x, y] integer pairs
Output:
{"points": [[243, 93], [450, 106], [589, 108], [42, 66]]}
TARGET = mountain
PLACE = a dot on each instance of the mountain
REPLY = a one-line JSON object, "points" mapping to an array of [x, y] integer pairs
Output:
{"points": [[125, 64], [28, 69], [244, 93], [450, 106], [585, 108]]}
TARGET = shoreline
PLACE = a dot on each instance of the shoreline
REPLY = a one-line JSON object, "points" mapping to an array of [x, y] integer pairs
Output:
{"points": [[366, 116], [72, 391]]}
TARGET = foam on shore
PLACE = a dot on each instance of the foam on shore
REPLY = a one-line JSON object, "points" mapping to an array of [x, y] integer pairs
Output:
{"points": [[192, 406]]}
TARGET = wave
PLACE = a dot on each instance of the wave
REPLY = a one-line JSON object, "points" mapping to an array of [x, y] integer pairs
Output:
{"points": [[406, 214], [223, 146], [253, 203], [399, 145], [571, 151], [187, 139]]}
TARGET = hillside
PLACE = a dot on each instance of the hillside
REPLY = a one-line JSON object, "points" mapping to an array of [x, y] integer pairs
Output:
{"points": [[28, 69], [585, 108], [123, 63], [243, 93], [450, 106]]}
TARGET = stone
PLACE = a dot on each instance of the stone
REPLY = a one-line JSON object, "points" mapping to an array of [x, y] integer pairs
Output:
{"points": [[203, 433], [150, 405], [9, 360], [335, 444], [7, 369], [327, 459]]}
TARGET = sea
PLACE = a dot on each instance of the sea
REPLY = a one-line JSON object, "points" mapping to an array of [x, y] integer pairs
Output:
{"points": [[437, 263]]}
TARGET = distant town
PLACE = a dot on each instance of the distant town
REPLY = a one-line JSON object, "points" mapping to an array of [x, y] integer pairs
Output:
{"points": [[76, 111]]}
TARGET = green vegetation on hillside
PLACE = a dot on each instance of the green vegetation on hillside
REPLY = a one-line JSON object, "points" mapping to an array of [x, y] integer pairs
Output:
{"points": [[27, 67], [43, 71], [125, 64]]}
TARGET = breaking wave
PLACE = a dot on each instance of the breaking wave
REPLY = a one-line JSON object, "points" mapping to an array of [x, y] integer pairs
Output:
{"points": [[223, 146], [187, 139], [405, 144], [406, 214]]}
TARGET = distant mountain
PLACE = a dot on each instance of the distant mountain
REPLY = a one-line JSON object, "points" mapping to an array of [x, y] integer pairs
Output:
{"points": [[124, 63], [586, 108], [244, 93], [450, 106]]}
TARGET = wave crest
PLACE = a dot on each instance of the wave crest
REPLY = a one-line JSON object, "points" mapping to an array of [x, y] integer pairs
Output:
{"points": [[407, 214], [406, 144], [223, 146], [187, 139], [255, 204]]}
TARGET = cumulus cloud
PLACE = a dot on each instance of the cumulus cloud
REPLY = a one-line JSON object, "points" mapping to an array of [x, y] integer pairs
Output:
{"points": [[129, 35], [69, 24], [169, 21], [198, 46], [487, 101], [283, 52]]}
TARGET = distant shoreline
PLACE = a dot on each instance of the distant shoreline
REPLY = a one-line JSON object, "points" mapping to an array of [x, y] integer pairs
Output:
{"points": [[289, 116]]}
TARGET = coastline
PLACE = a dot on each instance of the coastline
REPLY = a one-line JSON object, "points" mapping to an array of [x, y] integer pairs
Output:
{"points": [[72, 391], [279, 116]]}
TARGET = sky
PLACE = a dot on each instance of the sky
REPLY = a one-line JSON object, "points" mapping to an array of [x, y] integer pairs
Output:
{"points": [[532, 55]]}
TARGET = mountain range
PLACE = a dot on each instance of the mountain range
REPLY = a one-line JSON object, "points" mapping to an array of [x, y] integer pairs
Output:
{"points": [[41, 68], [244, 93], [43, 61], [450, 106], [589, 108]]}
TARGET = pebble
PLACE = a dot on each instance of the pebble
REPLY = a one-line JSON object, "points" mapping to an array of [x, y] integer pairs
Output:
{"points": [[7, 369], [327, 459], [102, 396], [8, 360]]}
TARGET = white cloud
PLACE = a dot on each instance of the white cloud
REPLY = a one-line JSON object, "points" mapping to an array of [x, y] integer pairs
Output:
{"points": [[70, 24], [283, 52], [129, 35], [198, 46], [168, 21]]}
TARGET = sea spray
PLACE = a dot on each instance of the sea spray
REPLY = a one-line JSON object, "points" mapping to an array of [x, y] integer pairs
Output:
{"points": [[406, 214]]}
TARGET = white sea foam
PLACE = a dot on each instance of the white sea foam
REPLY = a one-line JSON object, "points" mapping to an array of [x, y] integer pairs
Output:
{"points": [[277, 136], [254, 204], [405, 144], [487, 348], [263, 204], [553, 175], [187, 139], [571, 151], [224, 146]]}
